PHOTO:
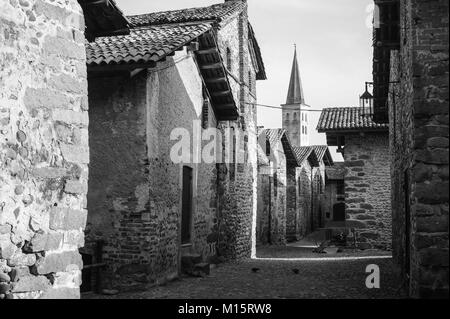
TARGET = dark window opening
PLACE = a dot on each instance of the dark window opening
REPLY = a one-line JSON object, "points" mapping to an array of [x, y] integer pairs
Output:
{"points": [[339, 212], [186, 215], [340, 188], [233, 155], [229, 60], [86, 274]]}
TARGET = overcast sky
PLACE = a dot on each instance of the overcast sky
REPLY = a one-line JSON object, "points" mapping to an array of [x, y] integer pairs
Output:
{"points": [[333, 43]]}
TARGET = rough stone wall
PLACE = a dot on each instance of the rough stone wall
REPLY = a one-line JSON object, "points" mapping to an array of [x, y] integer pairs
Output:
{"points": [[137, 210], [368, 189], [167, 112], [118, 198], [291, 203], [278, 202], [44, 152], [303, 218], [316, 198], [237, 199], [265, 194], [419, 147]]}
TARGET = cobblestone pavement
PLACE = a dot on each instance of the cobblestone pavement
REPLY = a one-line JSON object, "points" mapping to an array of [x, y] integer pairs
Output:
{"points": [[277, 279], [303, 252]]}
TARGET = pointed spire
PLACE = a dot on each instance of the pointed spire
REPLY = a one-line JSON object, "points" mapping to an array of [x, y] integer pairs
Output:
{"points": [[295, 93]]}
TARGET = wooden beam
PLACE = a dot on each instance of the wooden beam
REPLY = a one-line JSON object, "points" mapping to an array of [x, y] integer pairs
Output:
{"points": [[211, 66], [227, 117], [121, 67], [207, 51], [216, 80], [221, 93], [226, 106]]}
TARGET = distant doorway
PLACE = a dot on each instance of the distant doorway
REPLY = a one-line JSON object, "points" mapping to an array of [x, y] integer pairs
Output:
{"points": [[339, 212], [186, 214]]}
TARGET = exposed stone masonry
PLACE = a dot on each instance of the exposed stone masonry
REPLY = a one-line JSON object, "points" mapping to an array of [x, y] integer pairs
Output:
{"points": [[419, 107], [44, 151], [367, 189]]}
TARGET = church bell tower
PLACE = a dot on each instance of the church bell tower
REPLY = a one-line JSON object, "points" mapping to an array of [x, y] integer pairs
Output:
{"points": [[295, 111]]}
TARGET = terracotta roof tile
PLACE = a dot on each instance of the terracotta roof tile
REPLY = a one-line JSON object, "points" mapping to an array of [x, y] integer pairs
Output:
{"points": [[278, 135], [302, 153], [143, 44], [347, 119], [216, 12]]}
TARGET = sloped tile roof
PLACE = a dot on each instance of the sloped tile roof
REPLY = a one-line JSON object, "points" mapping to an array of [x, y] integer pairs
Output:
{"points": [[278, 135], [274, 135], [305, 152], [347, 119], [160, 33], [322, 151], [143, 44], [216, 12]]}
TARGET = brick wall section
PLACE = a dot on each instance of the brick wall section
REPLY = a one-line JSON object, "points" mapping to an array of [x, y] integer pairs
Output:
{"points": [[43, 148], [419, 147], [368, 188]]}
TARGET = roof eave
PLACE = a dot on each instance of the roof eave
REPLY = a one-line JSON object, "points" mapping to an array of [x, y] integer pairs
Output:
{"points": [[354, 131]]}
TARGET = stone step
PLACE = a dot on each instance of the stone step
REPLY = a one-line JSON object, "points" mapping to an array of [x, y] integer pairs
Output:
{"points": [[191, 259], [188, 261], [202, 269]]}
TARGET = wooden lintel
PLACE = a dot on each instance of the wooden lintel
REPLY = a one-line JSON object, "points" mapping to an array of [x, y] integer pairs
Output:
{"points": [[212, 66], [216, 80], [124, 31]]}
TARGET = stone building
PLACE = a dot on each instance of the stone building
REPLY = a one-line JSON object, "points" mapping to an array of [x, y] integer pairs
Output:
{"points": [[277, 194], [44, 151], [302, 221], [412, 95], [364, 145], [162, 99], [295, 111]]}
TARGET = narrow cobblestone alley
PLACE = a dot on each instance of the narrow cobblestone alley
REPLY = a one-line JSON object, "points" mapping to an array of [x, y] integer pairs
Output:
{"points": [[275, 279]]}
